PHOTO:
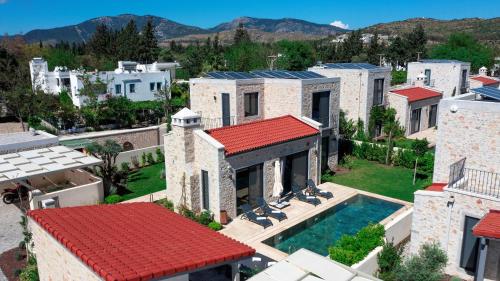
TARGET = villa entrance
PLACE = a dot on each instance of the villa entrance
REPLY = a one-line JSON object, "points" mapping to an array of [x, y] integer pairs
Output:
{"points": [[249, 183], [295, 171]]}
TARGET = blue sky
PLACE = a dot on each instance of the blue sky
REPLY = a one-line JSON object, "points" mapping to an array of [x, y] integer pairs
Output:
{"points": [[24, 15]]}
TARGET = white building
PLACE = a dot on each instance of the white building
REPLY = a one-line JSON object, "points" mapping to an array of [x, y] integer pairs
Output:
{"points": [[449, 76], [138, 82]]}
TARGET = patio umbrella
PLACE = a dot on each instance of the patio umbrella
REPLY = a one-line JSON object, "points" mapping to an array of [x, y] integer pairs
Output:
{"points": [[278, 186]]}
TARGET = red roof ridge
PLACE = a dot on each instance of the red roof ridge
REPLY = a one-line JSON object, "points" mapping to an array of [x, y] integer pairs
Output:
{"points": [[256, 122], [489, 225], [416, 93], [436, 186], [486, 80]]}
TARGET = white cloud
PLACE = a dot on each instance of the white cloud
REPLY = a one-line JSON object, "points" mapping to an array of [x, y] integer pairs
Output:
{"points": [[337, 23], [3, 2]]}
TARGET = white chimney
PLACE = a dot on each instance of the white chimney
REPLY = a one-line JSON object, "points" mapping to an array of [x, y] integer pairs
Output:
{"points": [[483, 71], [420, 82], [186, 118]]}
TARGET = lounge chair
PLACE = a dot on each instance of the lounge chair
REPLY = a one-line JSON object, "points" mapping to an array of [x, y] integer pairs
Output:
{"points": [[323, 193], [270, 212], [311, 199], [250, 215]]}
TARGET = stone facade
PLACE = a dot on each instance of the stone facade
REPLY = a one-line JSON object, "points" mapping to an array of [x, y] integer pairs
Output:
{"points": [[445, 76], [357, 89], [467, 128], [437, 220], [54, 261]]}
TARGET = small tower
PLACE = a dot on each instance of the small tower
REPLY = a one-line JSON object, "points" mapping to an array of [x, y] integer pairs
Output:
{"points": [[483, 71], [420, 82], [186, 118]]}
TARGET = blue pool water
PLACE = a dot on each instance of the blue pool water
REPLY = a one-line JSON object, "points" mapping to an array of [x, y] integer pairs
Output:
{"points": [[321, 231]]}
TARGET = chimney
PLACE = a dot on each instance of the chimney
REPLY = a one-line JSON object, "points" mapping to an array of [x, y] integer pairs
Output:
{"points": [[483, 71], [420, 82]]}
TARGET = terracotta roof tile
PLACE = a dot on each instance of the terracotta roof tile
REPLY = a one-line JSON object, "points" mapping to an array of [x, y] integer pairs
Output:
{"points": [[485, 80], [258, 134], [489, 225], [137, 241], [437, 186], [417, 93]]}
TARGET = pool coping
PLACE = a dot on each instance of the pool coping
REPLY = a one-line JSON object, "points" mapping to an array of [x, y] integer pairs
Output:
{"points": [[273, 253]]}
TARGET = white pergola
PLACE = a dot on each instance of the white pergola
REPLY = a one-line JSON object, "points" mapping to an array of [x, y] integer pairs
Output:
{"points": [[15, 167], [305, 265]]}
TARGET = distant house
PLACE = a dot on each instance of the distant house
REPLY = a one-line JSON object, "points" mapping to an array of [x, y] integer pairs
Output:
{"points": [[460, 210], [449, 76], [134, 241], [138, 82], [362, 86], [416, 106], [483, 79]]}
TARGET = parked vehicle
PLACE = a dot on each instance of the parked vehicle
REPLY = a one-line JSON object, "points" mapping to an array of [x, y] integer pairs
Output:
{"points": [[11, 195]]}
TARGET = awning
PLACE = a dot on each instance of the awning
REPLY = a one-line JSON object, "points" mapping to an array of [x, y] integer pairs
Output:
{"points": [[488, 226], [25, 164], [79, 143]]}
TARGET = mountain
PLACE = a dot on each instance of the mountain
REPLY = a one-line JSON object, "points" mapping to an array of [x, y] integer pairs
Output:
{"points": [[286, 25], [81, 32], [439, 30]]}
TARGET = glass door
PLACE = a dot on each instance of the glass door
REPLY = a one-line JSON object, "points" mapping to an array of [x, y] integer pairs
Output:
{"points": [[295, 171], [226, 112], [470, 245], [249, 186], [415, 120], [433, 115]]}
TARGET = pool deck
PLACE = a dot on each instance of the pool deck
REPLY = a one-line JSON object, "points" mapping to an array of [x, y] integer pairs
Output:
{"points": [[253, 234]]}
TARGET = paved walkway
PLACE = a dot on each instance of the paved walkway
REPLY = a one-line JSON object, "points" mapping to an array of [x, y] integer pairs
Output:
{"points": [[11, 232], [429, 134], [149, 197]]}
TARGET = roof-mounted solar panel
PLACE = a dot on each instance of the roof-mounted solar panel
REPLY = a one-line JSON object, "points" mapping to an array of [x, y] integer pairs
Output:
{"points": [[489, 92]]}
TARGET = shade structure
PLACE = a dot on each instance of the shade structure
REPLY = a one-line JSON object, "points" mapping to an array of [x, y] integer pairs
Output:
{"points": [[278, 186]]}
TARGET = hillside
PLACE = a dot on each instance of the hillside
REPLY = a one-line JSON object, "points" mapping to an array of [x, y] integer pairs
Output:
{"points": [[439, 30]]}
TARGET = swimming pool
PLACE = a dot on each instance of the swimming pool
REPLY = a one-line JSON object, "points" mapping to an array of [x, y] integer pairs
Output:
{"points": [[321, 231]]}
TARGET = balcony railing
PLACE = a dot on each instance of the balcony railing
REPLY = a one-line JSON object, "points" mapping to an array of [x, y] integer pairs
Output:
{"points": [[214, 123], [473, 180]]}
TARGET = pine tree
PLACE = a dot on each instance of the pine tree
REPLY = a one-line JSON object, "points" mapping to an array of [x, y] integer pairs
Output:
{"points": [[127, 40], [40, 44], [374, 50], [397, 53], [148, 45], [415, 43], [352, 46], [100, 42], [241, 35]]}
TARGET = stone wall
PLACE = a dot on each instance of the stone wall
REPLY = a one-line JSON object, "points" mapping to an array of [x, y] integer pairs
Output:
{"points": [[241, 90], [54, 261], [282, 96], [434, 220], [473, 131], [400, 104], [447, 77]]}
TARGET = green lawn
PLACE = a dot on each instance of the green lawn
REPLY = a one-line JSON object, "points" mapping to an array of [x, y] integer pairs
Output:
{"points": [[144, 181], [396, 182]]}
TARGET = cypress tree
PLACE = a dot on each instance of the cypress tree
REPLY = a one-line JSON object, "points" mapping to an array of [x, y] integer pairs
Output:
{"points": [[148, 45], [241, 35], [127, 40]]}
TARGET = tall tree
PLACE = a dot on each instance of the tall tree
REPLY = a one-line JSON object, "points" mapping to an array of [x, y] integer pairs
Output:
{"points": [[415, 42], [107, 152], [148, 44], [392, 129], [352, 46], [295, 55], [396, 53], [241, 35], [375, 49], [127, 40], [164, 96], [420, 147], [100, 44]]}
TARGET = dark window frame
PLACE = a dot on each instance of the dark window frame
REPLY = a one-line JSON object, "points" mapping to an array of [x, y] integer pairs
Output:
{"points": [[378, 91], [131, 88], [151, 86], [412, 128], [251, 104], [118, 88], [205, 190], [321, 112], [159, 86]]}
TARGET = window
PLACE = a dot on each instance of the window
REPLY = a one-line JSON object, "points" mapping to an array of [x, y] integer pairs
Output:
{"points": [[251, 104], [152, 86], [378, 91], [378, 130], [427, 81], [132, 88], [415, 120], [118, 89], [470, 243], [249, 186], [158, 86], [205, 190], [321, 108], [433, 115]]}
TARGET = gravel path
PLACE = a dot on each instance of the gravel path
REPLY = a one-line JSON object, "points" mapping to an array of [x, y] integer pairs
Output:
{"points": [[11, 232]]}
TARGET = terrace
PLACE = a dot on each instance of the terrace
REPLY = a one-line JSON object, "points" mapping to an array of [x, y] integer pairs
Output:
{"points": [[474, 181]]}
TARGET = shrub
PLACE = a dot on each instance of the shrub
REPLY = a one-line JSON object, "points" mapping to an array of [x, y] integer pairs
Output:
{"points": [[150, 159], [135, 162], [427, 265], [183, 210], [162, 174], [159, 156], [166, 203], [22, 245], [215, 226], [327, 176], [347, 162], [112, 199], [30, 272], [143, 159], [352, 249], [125, 167], [388, 260], [205, 218]]}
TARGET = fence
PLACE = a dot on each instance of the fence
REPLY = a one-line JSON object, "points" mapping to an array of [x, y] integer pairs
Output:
{"points": [[213, 123], [127, 156]]}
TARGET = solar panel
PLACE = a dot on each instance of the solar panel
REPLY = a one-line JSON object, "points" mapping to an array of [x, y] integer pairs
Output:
{"points": [[230, 75], [362, 65], [490, 92], [285, 74]]}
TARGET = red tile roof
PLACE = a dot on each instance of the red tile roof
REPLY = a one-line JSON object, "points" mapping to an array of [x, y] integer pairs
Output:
{"points": [[437, 186], [258, 134], [137, 241], [489, 225], [485, 80], [417, 93]]}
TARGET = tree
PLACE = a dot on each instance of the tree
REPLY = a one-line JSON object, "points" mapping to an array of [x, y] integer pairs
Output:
{"points": [[246, 57], [127, 40], [375, 49], [241, 35], [164, 96], [148, 45], [100, 44], [347, 128], [463, 47], [295, 55], [415, 42], [428, 265], [392, 129], [396, 53], [352, 46], [107, 153], [91, 91], [119, 110], [420, 148]]}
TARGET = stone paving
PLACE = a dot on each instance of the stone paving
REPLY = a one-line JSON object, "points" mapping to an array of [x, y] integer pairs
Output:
{"points": [[10, 229]]}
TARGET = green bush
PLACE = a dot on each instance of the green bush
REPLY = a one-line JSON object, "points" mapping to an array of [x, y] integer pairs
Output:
{"points": [[388, 260], [125, 167], [160, 158], [215, 226], [205, 218], [187, 213], [30, 272], [327, 176], [347, 162], [144, 160], [112, 199], [352, 249], [427, 265], [150, 159], [166, 203]]}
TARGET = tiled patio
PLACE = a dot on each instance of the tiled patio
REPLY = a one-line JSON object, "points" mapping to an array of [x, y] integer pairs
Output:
{"points": [[252, 234], [429, 134]]}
